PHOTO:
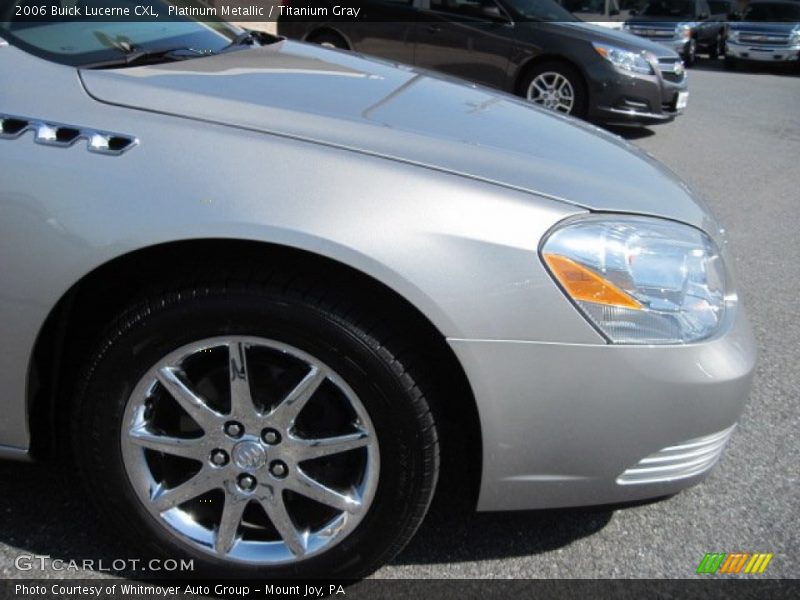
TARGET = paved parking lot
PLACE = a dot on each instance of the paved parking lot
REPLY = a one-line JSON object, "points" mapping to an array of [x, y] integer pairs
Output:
{"points": [[739, 146]]}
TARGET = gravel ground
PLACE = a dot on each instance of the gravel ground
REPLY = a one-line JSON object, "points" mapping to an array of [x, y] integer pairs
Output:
{"points": [[738, 145]]}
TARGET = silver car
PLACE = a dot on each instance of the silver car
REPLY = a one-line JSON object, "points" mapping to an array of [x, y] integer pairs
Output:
{"points": [[263, 294]]}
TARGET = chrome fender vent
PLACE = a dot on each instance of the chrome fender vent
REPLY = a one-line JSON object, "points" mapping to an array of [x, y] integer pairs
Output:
{"points": [[50, 135], [64, 136], [11, 128]]}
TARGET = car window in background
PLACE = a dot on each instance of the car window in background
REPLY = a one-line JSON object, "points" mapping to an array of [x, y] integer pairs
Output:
{"points": [[475, 9], [588, 6], [679, 9], [83, 41], [540, 10], [719, 7], [787, 13]]}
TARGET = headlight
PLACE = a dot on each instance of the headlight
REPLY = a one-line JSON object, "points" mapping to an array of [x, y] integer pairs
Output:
{"points": [[733, 36], [683, 31], [640, 280], [795, 37], [624, 59]]}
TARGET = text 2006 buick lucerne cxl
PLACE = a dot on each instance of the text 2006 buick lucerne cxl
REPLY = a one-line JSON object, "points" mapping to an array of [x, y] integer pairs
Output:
{"points": [[259, 290]]}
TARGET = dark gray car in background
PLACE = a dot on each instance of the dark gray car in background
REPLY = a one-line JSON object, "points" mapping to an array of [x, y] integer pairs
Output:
{"points": [[769, 33], [532, 48], [686, 26]]}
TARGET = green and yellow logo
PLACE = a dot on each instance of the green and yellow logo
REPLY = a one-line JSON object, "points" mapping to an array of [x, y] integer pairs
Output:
{"points": [[738, 562]]}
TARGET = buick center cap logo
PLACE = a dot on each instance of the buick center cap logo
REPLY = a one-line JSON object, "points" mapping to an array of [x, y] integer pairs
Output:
{"points": [[249, 455]]}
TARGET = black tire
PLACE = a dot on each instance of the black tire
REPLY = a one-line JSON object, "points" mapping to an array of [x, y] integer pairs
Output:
{"points": [[731, 63], [352, 341], [690, 54], [329, 39], [718, 48], [581, 103]]}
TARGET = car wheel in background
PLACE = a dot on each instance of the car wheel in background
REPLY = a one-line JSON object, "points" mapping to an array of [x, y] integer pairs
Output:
{"points": [[718, 48], [258, 431], [690, 53], [556, 86], [328, 39]]}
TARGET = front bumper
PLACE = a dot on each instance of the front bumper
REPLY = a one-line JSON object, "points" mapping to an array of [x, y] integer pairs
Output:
{"points": [[624, 97], [575, 424], [779, 54]]}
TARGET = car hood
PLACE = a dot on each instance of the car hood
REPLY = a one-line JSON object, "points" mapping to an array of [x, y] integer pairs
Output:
{"points": [[340, 99], [606, 35]]}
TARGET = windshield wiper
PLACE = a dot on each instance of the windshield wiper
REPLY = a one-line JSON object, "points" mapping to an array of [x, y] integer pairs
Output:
{"points": [[135, 57], [247, 37], [250, 37]]}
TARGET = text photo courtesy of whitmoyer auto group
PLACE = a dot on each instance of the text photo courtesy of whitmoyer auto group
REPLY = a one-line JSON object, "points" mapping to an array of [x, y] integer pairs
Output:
{"points": [[399, 298]]}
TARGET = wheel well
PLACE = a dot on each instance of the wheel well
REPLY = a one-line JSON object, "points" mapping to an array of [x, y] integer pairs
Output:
{"points": [[76, 323], [523, 71], [328, 31]]}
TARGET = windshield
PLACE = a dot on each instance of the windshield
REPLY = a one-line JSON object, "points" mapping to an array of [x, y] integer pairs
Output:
{"points": [[540, 10], [674, 9], [781, 13], [86, 40]]}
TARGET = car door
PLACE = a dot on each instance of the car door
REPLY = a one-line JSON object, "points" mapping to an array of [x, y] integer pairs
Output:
{"points": [[471, 39]]}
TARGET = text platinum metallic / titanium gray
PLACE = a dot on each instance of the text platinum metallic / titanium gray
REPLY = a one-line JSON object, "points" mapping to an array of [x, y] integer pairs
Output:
{"points": [[441, 192]]}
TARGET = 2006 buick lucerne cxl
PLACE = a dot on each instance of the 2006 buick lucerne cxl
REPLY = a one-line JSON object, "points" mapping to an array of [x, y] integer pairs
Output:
{"points": [[260, 291]]}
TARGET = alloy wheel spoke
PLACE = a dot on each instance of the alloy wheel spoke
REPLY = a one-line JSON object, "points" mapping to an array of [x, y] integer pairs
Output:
{"points": [[309, 449], [276, 510], [241, 397], [197, 409], [291, 406], [232, 513], [196, 486], [184, 447], [310, 488]]}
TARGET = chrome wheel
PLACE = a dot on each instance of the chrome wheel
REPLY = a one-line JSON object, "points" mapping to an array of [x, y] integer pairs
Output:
{"points": [[250, 449], [553, 91]]}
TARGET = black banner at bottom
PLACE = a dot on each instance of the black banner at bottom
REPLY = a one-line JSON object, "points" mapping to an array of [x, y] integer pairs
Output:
{"points": [[391, 589]]}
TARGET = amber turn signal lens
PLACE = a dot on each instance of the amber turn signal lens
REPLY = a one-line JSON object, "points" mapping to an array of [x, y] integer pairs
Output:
{"points": [[586, 285]]}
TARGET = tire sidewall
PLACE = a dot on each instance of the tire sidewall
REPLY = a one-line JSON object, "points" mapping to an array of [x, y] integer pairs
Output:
{"points": [[691, 53]]}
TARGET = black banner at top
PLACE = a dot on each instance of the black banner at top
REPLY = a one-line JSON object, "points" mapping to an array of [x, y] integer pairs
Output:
{"points": [[490, 12]]}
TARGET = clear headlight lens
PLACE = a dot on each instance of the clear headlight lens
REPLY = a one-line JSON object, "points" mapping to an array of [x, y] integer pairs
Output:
{"points": [[733, 35], [624, 59], [640, 280]]}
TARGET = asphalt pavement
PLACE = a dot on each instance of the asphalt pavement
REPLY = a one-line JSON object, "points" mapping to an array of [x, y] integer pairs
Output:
{"points": [[738, 145]]}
